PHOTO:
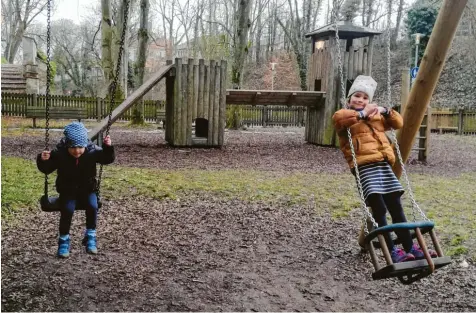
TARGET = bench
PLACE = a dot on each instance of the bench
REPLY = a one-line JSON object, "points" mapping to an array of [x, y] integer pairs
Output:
{"points": [[160, 116], [56, 113]]}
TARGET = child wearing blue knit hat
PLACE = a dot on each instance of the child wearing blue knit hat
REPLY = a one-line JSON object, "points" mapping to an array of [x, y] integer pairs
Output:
{"points": [[75, 159]]}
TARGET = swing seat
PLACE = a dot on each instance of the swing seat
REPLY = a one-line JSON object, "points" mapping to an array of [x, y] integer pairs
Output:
{"points": [[51, 204], [406, 272], [409, 272]]}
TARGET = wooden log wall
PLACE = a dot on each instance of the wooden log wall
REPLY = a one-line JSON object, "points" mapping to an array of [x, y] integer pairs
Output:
{"points": [[199, 91]]}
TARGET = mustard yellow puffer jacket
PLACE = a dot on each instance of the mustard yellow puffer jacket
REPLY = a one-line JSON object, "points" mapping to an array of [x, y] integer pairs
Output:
{"points": [[368, 136]]}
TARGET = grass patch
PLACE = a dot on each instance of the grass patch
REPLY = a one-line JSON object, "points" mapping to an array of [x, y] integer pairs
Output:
{"points": [[447, 201]]}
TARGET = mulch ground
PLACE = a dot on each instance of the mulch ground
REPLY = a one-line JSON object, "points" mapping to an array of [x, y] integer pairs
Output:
{"points": [[202, 253]]}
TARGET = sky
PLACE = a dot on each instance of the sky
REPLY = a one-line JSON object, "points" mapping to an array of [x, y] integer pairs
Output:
{"points": [[70, 9]]}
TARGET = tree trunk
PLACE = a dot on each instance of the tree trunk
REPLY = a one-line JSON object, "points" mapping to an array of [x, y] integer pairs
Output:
{"points": [[258, 36], [393, 42], [141, 57], [15, 45], [106, 38], [240, 48]]}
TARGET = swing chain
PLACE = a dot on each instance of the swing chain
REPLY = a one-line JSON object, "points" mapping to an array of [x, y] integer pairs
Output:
{"points": [[48, 79], [415, 206], [114, 85], [365, 210]]}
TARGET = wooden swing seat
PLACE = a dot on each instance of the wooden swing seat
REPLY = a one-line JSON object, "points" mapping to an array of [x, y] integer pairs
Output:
{"points": [[406, 272]]}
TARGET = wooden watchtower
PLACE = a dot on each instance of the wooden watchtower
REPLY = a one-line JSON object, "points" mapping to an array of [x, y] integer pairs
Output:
{"points": [[356, 43]]}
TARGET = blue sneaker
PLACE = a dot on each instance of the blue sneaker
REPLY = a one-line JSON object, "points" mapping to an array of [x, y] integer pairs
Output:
{"points": [[63, 246], [398, 256], [90, 241]]}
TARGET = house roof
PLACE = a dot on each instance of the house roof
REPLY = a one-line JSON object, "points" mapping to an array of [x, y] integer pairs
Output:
{"points": [[346, 29]]}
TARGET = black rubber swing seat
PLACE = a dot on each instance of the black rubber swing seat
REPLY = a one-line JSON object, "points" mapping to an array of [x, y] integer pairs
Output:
{"points": [[51, 204], [407, 272]]}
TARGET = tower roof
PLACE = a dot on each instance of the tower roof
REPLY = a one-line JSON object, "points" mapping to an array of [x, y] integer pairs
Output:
{"points": [[347, 30]]}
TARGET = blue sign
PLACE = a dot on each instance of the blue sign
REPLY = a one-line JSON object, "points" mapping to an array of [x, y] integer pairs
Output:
{"points": [[414, 72]]}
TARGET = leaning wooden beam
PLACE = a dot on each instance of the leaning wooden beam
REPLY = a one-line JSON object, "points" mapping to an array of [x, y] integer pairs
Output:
{"points": [[428, 74], [131, 100]]}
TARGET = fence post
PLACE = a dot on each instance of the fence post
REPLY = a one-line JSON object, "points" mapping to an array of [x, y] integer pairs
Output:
{"points": [[460, 121], [98, 109], [265, 115]]}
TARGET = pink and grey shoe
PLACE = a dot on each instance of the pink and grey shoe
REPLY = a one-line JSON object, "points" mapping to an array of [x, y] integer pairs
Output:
{"points": [[398, 256], [418, 252]]}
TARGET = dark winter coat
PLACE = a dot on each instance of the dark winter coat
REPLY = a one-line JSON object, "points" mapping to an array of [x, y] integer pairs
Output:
{"points": [[75, 175]]}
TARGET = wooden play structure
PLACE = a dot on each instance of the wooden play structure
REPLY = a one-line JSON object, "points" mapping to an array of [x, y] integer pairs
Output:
{"points": [[195, 94], [323, 74]]}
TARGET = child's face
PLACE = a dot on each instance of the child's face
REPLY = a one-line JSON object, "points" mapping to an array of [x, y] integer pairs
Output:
{"points": [[76, 152], [359, 100]]}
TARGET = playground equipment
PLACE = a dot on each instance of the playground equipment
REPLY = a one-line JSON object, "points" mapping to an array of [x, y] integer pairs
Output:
{"points": [[196, 91]]}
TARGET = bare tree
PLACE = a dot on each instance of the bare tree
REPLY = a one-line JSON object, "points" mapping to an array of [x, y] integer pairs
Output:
{"points": [[240, 41], [143, 37], [397, 26], [17, 15]]}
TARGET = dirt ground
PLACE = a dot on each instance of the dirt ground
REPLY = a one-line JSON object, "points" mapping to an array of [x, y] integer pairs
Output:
{"points": [[209, 254]]}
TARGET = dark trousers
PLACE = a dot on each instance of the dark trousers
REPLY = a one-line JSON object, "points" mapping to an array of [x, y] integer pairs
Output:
{"points": [[380, 204], [87, 201]]}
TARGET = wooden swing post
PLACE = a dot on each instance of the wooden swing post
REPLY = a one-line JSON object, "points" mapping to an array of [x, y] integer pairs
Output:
{"points": [[428, 75]]}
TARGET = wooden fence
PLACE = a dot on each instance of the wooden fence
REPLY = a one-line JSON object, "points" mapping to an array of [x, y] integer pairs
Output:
{"points": [[461, 121], [273, 116], [97, 108]]}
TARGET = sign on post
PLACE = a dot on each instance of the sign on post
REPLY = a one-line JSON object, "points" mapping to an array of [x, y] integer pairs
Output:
{"points": [[414, 73]]}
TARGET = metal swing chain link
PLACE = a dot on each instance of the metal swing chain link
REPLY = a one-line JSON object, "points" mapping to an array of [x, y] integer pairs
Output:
{"points": [[365, 210], [415, 206], [48, 78], [114, 86]]}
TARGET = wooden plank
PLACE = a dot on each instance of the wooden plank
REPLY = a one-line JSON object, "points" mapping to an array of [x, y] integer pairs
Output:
{"points": [[216, 105], [169, 105], [351, 63], [211, 101], [178, 102], [360, 63], [206, 91], [141, 91], [184, 106], [201, 89], [370, 55], [365, 66], [222, 108], [191, 104]]}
